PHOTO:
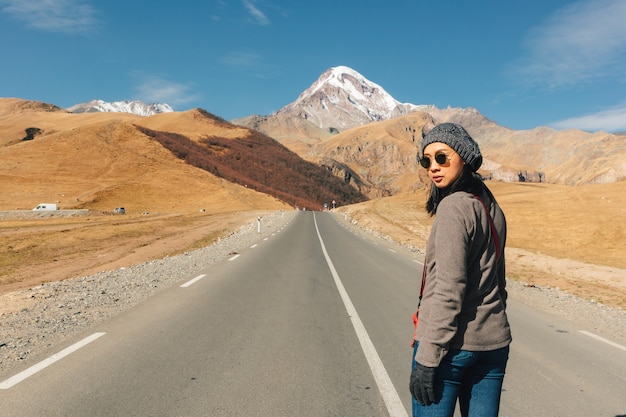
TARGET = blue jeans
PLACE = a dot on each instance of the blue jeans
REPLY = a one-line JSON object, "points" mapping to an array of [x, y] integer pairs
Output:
{"points": [[475, 378]]}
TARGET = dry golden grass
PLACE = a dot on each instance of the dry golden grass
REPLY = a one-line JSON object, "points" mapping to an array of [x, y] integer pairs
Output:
{"points": [[584, 223], [566, 237], [57, 248]]}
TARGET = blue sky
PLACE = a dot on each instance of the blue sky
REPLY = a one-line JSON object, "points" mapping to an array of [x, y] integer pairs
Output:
{"points": [[522, 64]]}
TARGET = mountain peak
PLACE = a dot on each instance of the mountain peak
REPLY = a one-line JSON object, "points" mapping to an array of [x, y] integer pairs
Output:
{"points": [[342, 98], [125, 106]]}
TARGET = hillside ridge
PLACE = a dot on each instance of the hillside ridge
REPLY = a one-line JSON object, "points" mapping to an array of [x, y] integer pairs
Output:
{"points": [[105, 160]]}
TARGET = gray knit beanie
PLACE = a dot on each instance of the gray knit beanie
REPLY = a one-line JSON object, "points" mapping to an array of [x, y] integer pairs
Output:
{"points": [[456, 137]]}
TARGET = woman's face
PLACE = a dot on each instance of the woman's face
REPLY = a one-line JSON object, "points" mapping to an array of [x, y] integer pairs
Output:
{"points": [[443, 175]]}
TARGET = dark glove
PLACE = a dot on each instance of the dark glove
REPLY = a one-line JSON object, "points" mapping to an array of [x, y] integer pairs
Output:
{"points": [[423, 384]]}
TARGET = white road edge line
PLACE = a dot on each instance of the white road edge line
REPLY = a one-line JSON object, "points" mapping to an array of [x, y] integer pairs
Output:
{"points": [[385, 386], [193, 281], [16, 379], [234, 257], [602, 339]]}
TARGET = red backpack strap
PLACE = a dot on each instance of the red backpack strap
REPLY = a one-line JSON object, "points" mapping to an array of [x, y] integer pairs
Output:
{"points": [[415, 316]]}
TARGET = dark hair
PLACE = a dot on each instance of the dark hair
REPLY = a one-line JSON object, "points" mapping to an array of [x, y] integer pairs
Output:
{"points": [[468, 181]]}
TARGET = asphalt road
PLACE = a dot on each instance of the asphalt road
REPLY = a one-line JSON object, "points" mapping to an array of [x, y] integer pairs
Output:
{"points": [[311, 321]]}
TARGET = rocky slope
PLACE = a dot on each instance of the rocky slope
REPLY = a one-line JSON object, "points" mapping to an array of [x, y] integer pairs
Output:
{"points": [[344, 122]]}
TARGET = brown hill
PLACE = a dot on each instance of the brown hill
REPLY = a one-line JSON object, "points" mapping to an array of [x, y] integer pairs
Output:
{"points": [[101, 161], [104, 160], [380, 157], [295, 133], [570, 157], [259, 162]]}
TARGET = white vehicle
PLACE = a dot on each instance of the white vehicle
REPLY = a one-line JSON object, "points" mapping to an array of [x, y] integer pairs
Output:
{"points": [[46, 207]]}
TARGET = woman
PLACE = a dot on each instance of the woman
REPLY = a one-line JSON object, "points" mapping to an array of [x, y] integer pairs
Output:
{"points": [[462, 337]]}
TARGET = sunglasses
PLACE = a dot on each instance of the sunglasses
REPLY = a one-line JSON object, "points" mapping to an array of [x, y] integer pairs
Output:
{"points": [[440, 158]]}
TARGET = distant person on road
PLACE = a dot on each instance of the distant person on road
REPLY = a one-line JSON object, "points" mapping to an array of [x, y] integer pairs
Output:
{"points": [[462, 333]]}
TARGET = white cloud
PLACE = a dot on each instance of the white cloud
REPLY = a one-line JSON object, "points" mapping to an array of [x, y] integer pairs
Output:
{"points": [[154, 89], [258, 16], [578, 44], [66, 16], [610, 120]]}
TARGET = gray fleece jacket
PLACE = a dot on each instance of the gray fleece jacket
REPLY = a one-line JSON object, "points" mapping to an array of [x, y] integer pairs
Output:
{"points": [[464, 299]]}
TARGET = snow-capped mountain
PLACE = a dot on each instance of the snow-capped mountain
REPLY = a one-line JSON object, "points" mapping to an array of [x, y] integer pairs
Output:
{"points": [[342, 98], [126, 106]]}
